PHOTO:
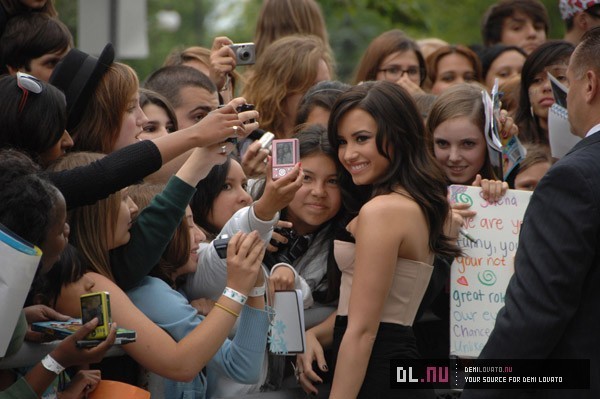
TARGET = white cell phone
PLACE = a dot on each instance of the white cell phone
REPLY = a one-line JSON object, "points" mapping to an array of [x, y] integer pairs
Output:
{"points": [[265, 140], [286, 154]]}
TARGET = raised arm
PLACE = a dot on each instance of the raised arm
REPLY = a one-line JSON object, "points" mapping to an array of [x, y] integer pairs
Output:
{"points": [[154, 349], [209, 278], [155, 225], [85, 185], [214, 129]]}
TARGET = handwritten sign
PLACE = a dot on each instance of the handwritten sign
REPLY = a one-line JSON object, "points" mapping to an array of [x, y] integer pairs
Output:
{"points": [[478, 280]]}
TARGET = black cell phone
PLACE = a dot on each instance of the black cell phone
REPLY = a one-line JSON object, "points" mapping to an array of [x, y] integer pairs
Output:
{"points": [[91, 343]]}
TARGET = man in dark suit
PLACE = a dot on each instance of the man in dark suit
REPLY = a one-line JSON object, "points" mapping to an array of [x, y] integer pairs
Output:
{"points": [[552, 308]]}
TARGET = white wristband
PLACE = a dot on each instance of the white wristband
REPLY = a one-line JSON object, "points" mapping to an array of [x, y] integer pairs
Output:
{"points": [[235, 295], [258, 291], [52, 365]]}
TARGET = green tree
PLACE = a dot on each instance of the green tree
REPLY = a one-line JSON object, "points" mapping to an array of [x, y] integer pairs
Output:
{"points": [[352, 24]]}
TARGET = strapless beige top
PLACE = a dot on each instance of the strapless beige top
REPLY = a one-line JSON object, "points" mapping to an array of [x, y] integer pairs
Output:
{"points": [[406, 293]]}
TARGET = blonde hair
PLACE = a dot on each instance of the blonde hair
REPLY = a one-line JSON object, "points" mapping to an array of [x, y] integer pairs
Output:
{"points": [[90, 224], [429, 45], [289, 66], [201, 55], [279, 18], [100, 124], [194, 53]]}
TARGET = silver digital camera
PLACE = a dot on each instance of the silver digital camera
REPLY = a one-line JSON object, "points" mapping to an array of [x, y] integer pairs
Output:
{"points": [[245, 53]]}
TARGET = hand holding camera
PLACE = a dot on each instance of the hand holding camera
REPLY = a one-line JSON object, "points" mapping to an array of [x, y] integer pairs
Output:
{"points": [[288, 244], [245, 53], [222, 61], [278, 193], [254, 160], [244, 258]]}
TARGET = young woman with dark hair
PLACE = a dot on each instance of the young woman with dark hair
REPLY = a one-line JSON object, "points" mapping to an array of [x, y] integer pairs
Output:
{"points": [[535, 96], [162, 119], [221, 194], [401, 207]]}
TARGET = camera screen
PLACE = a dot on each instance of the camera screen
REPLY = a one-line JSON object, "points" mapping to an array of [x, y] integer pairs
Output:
{"points": [[285, 155], [91, 307]]}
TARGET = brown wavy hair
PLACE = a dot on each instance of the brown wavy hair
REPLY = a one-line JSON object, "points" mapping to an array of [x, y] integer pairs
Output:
{"points": [[288, 66], [280, 18], [401, 139], [100, 124]]}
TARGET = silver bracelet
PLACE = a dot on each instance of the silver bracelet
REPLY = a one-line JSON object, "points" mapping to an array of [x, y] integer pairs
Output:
{"points": [[52, 365]]}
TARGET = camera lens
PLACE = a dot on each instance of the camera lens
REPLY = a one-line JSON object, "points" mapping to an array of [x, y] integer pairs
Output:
{"points": [[245, 55]]}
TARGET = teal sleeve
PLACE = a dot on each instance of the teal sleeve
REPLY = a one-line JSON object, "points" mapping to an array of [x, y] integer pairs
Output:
{"points": [[16, 341], [150, 234], [19, 390], [241, 358]]}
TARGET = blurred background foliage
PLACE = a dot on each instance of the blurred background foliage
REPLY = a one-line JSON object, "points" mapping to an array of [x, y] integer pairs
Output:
{"points": [[352, 24]]}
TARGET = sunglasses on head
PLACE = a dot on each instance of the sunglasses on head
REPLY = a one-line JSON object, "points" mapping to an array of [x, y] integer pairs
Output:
{"points": [[28, 84]]}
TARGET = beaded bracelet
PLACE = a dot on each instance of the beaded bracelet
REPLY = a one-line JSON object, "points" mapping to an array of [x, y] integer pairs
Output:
{"points": [[225, 308], [235, 295]]}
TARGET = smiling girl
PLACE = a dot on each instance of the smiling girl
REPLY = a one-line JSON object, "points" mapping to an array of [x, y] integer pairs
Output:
{"points": [[386, 264], [456, 124]]}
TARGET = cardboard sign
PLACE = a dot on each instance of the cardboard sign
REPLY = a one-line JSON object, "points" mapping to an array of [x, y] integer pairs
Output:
{"points": [[478, 280]]}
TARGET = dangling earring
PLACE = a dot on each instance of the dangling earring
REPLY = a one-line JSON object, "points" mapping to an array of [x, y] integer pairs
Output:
{"points": [[531, 111]]}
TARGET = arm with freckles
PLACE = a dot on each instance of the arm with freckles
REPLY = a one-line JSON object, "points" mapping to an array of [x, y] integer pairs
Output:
{"points": [[376, 257], [154, 349]]}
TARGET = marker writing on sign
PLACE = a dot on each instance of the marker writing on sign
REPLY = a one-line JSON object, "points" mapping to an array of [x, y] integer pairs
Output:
{"points": [[465, 234]]}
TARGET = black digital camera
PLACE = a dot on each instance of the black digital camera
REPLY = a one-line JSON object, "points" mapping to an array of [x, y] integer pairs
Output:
{"points": [[220, 243], [296, 246], [246, 107]]}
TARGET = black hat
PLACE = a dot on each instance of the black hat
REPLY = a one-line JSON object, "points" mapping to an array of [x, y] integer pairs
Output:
{"points": [[78, 75]]}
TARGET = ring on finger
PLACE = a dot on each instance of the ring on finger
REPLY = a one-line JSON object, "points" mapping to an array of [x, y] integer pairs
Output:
{"points": [[235, 129], [223, 149]]}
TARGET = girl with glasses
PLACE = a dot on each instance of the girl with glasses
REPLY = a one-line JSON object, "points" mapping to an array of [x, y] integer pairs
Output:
{"points": [[394, 57]]}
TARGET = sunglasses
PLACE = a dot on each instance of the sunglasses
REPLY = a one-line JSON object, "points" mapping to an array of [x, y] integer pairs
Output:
{"points": [[28, 84]]}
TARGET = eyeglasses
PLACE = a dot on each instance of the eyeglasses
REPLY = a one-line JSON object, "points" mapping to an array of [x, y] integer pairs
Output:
{"points": [[28, 84], [395, 72]]}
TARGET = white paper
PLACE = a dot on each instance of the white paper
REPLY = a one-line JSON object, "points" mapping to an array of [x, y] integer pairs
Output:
{"points": [[559, 132], [18, 264], [287, 328]]}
